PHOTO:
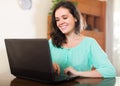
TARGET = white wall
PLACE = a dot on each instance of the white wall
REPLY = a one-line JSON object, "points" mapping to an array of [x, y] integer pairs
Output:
{"points": [[18, 23], [113, 33], [109, 29], [116, 36]]}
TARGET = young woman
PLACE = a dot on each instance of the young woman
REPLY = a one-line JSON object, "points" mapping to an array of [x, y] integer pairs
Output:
{"points": [[73, 52]]}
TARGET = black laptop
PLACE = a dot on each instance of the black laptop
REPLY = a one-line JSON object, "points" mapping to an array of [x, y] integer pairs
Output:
{"points": [[31, 59]]}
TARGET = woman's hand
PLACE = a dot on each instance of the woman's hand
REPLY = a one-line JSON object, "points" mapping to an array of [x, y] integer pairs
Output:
{"points": [[56, 68], [70, 71], [93, 73]]}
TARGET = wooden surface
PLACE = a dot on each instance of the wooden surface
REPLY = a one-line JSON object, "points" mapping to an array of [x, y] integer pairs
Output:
{"points": [[7, 79]]}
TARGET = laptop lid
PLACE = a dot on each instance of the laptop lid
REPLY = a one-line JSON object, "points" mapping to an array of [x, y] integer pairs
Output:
{"points": [[30, 59]]}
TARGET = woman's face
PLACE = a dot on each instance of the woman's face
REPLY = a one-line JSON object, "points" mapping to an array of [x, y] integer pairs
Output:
{"points": [[65, 20]]}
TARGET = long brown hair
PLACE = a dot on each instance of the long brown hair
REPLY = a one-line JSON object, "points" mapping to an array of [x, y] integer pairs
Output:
{"points": [[58, 38]]}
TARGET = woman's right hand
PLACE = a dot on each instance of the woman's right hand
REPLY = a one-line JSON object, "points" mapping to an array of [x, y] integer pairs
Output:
{"points": [[56, 68]]}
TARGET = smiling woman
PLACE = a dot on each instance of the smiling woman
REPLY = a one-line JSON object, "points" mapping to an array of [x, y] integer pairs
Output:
{"points": [[73, 52]]}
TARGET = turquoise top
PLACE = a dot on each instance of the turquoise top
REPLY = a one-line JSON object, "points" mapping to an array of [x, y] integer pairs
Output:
{"points": [[83, 57]]}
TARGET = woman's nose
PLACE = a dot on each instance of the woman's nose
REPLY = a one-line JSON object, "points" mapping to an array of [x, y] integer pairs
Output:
{"points": [[61, 22]]}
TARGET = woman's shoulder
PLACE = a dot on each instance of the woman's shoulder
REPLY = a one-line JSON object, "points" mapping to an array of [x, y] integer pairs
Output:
{"points": [[50, 41], [89, 39]]}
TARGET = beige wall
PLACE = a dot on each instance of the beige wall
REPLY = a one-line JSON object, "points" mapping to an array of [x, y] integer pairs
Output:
{"points": [[18, 23]]}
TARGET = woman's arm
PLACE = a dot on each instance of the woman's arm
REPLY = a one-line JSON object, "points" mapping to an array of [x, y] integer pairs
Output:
{"points": [[92, 73]]}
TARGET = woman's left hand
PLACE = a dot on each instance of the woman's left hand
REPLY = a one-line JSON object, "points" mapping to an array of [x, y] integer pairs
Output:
{"points": [[70, 71]]}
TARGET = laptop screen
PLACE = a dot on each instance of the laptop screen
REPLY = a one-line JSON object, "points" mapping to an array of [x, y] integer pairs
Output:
{"points": [[30, 58]]}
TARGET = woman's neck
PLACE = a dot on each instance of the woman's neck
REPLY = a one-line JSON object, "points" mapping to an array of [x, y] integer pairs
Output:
{"points": [[72, 37], [73, 40]]}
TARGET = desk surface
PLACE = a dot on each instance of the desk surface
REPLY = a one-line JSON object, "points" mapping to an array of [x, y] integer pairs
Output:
{"points": [[9, 80]]}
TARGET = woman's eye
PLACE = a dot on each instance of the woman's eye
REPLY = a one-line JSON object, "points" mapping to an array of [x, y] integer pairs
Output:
{"points": [[65, 18], [56, 20]]}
